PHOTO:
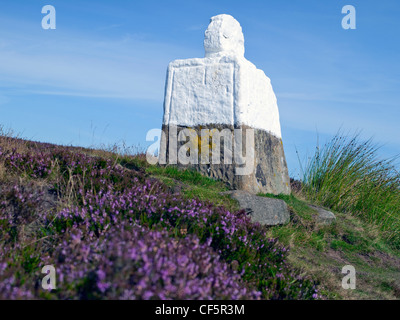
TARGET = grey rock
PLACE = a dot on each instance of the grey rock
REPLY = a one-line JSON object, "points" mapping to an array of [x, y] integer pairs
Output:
{"points": [[270, 172], [325, 217], [266, 211]]}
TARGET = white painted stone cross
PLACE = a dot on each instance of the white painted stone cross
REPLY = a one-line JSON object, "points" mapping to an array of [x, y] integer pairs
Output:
{"points": [[225, 90]]}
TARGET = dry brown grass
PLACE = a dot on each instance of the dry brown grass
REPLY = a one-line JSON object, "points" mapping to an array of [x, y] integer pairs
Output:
{"points": [[2, 172]]}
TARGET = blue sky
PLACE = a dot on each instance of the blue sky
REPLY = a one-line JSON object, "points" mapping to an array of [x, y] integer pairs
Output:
{"points": [[99, 77]]}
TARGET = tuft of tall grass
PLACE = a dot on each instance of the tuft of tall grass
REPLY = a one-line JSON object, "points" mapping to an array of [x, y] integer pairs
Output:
{"points": [[348, 176]]}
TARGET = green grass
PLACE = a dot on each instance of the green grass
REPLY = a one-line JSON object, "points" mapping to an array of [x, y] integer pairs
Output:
{"points": [[186, 175], [322, 251], [347, 176], [194, 185]]}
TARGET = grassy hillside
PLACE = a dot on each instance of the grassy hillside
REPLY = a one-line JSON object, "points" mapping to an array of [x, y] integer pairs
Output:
{"points": [[115, 227], [316, 250], [322, 251]]}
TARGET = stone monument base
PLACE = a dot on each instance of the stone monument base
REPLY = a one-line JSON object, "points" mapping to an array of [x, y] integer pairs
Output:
{"points": [[264, 169]]}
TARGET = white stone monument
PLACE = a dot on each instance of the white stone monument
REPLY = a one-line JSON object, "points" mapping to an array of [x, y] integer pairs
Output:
{"points": [[226, 91]]}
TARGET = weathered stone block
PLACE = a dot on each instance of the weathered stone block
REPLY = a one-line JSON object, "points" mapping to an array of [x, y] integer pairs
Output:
{"points": [[266, 211]]}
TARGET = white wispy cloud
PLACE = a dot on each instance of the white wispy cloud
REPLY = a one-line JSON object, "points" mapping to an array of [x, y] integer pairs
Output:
{"points": [[67, 63]]}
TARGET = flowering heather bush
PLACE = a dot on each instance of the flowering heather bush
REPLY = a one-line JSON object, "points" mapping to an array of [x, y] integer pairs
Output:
{"points": [[137, 263], [122, 235], [36, 165]]}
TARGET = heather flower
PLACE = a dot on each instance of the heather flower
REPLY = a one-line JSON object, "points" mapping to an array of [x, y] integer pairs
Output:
{"points": [[126, 236]]}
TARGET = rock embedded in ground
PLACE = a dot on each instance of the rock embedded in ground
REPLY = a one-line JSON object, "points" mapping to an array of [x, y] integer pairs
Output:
{"points": [[224, 91], [266, 211], [324, 216]]}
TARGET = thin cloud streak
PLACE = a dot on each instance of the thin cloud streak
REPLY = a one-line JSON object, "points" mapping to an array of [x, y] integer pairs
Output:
{"points": [[124, 68]]}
